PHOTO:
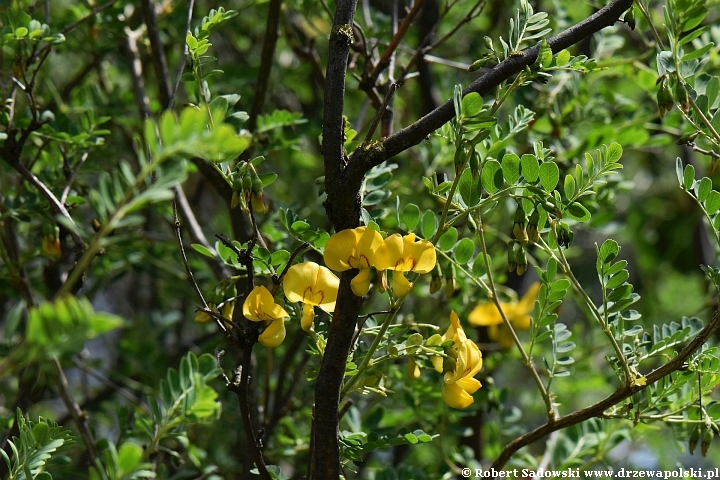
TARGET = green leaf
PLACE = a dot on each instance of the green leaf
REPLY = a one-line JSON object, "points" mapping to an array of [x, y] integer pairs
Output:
{"points": [[268, 178], [563, 57], [613, 153], [201, 249], [569, 187], [530, 168], [703, 189], [411, 216], [689, 177], [469, 187], [617, 279], [712, 204], [447, 240], [511, 168], [699, 53], [679, 172], [429, 224], [464, 251], [375, 197], [129, 457], [492, 176], [549, 175], [578, 212], [472, 104], [608, 251]]}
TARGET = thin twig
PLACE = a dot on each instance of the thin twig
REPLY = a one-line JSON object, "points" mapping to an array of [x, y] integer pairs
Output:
{"points": [[191, 277], [78, 415], [186, 51], [378, 116], [71, 178]]}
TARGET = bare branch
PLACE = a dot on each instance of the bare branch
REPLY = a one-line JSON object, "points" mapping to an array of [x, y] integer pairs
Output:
{"points": [[415, 133]]}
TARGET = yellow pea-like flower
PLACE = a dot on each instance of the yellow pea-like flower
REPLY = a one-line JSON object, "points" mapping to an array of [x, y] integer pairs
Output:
{"points": [[518, 313], [354, 248], [459, 383], [314, 286], [404, 254], [260, 306]]}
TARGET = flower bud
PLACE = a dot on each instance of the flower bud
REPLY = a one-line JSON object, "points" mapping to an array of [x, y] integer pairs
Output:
{"points": [[521, 259], [478, 64], [565, 236], [707, 438], [235, 200], [435, 283], [511, 259], [630, 18], [682, 97], [451, 287], [413, 369], [459, 160], [258, 203], [694, 439], [520, 221], [237, 185], [229, 309], [475, 164], [532, 228], [552, 209], [51, 244], [488, 43], [247, 182], [664, 97], [687, 138], [257, 185]]}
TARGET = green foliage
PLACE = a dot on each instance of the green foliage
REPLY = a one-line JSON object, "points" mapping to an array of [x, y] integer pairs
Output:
{"points": [[36, 445]]}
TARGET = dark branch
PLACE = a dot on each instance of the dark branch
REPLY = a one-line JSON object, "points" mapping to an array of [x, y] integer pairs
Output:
{"points": [[158, 53], [267, 56], [415, 133]]}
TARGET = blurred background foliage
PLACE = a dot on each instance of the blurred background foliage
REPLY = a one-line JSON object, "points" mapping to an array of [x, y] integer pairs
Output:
{"points": [[94, 121]]}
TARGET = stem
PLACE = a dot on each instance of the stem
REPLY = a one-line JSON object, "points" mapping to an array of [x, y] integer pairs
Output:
{"points": [[368, 355], [600, 317], [526, 359], [655, 33]]}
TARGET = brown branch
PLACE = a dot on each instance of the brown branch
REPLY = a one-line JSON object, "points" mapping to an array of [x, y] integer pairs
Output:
{"points": [[620, 394], [185, 53], [267, 57], [158, 53], [397, 38], [240, 387], [77, 414], [415, 133]]}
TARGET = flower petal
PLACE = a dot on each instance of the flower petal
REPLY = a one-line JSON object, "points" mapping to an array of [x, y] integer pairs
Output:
{"points": [[368, 241], [484, 315], [527, 302], [339, 248], [455, 397], [421, 252], [274, 334], [298, 278], [470, 385], [260, 305], [308, 319], [401, 285], [327, 283], [361, 283], [390, 253]]}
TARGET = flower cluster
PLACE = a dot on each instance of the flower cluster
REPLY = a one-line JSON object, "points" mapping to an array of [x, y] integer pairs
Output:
{"points": [[316, 286], [462, 361]]}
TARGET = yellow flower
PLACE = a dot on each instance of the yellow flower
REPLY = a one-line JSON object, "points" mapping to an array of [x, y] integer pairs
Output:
{"points": [[518, 313], [465, 356], [260, 306], [404, 254], [353, 249], [313, 285]]}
